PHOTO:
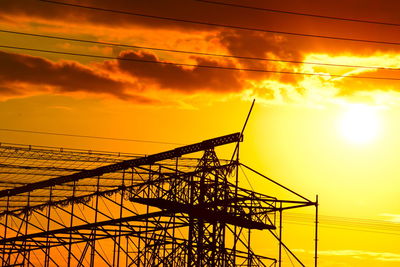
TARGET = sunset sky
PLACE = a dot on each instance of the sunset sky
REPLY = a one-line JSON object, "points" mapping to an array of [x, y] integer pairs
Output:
{"points": [[322, 128]]}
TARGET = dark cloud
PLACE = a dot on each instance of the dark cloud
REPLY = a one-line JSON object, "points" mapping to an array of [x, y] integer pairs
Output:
{"points": [[180, 78], [25, 75], [63, 13], [263, 45], [8, 91], [258, 44], [63, 76], [386, 10]]}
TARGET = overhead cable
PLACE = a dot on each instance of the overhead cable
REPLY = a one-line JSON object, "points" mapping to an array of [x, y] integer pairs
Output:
{"points": [[193, 52], [201, 66], [88, 136], [223, 25], [300, 13]]}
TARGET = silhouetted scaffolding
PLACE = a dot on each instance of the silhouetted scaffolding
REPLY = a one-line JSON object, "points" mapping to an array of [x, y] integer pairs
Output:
{"points": [[65, 207]]}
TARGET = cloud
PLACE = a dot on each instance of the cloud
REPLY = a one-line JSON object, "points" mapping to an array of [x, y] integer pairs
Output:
{"points": [[52, 13], [258, 44], [24, 75], [180, 78], [263, 45], [42, 11], [110, 78], [63, 13], [8, 91], [349, 86]]}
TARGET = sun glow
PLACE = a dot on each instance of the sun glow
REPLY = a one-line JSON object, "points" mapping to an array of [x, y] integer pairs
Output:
{"points": [[360, 124]]}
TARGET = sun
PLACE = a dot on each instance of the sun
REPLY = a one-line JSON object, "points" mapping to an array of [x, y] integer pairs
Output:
{"points": [[360, 123]]}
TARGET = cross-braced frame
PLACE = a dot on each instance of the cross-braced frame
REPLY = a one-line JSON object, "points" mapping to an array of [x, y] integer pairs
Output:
{"points": [[62, 207]]}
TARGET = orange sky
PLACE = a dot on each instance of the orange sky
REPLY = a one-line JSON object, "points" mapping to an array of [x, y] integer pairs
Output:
{"points": [[294, 134]]}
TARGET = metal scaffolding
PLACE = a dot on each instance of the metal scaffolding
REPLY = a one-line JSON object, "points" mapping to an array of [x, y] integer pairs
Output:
{"points": [[64, 207]]}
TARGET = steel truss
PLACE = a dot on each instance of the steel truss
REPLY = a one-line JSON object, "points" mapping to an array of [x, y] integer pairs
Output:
{"points": [[62, 207]]}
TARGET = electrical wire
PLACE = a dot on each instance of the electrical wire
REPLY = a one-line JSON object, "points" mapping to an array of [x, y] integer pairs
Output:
{"points": [[248, 181], [299, 13], [223, 25], [345, 219], [194, 52], [341, 227], [201, 66], [287, 254], [348, 223], [89, 136]]}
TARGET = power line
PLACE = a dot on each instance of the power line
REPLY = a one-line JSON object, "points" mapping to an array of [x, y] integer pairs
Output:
{"points": [[346, 221], [89, 136], [201, 66], [223, 25], [300, 14], [340, 227], [194, 52]]}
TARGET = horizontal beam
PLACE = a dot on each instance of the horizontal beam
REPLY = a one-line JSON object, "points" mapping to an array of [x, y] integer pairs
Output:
{"points": [[202, 212], [147, 160], [89, 226]]}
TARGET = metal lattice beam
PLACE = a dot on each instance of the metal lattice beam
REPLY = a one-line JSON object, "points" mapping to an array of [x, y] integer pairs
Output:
{"points": [[178, 152]]}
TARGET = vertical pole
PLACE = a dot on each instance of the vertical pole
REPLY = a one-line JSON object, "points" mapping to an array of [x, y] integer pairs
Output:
{"points": [[47, 256], [225, 258], [93, 250], [127, 238], [146, 241], [316, 232], [249, 255], [29, 258], [280, 235], [127, 252], [120, 216], [174, 185], [217, 233], [26, 227], [114, 247], [191, 189], [223, 190], [201, 254], [138, 263], [164, 245], [235, 238], [71, 224], [4, 263]]}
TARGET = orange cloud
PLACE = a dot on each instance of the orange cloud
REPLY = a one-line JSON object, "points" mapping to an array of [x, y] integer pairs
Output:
{"points": [[196, 11], [180, 78], [126, 80], [23, 75], [44, 76]]}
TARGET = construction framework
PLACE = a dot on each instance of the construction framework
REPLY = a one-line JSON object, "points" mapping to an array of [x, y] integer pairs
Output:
{"points": [[65, 207]]}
